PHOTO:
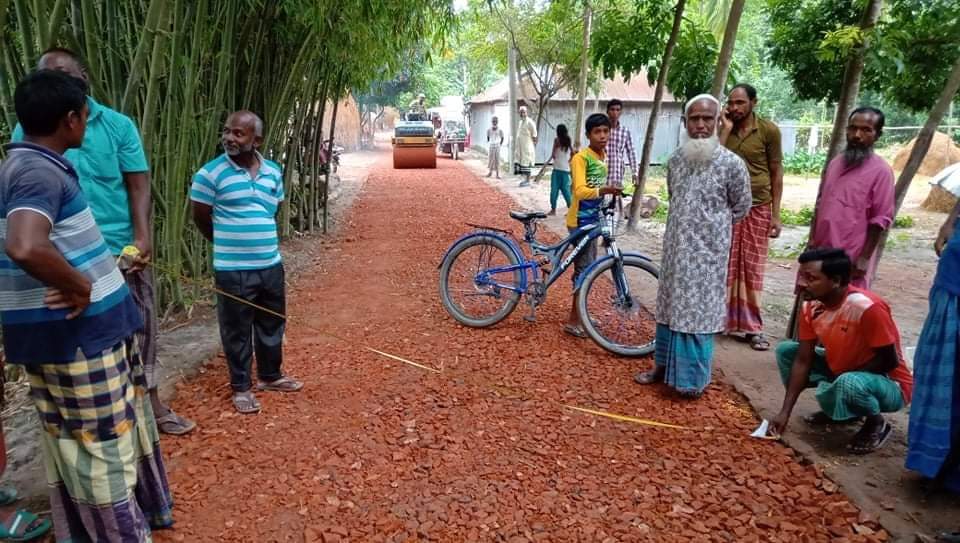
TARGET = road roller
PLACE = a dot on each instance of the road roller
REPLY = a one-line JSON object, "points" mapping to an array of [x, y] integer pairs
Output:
{"points": [[414, 144]]}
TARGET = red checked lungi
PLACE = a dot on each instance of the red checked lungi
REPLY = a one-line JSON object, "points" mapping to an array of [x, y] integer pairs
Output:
{"points": [[748, 257]]}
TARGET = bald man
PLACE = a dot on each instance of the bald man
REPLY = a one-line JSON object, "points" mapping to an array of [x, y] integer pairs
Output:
{"points": [[235, 199], [709, 191], [115, 179]]}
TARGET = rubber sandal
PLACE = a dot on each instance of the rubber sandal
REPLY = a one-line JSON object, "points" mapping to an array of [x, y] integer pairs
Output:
{"points": [[822, 419], [283, 384], [690, 394], [868, 442], [649, 377], [759, 343], [949, 537], [7, 496], [175, 425], [19, 527], [575, 331], [246, 403]]}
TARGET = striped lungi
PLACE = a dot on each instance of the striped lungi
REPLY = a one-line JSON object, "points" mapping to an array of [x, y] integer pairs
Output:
{"points": [[101, 448], [686, 358], [748, 257], [935, 411]]}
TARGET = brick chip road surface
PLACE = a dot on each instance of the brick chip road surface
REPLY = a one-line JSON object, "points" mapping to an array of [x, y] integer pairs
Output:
{"points": [[377, 450]]}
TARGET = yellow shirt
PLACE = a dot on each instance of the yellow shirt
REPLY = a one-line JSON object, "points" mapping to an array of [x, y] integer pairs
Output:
{"points": [[588, 171]]}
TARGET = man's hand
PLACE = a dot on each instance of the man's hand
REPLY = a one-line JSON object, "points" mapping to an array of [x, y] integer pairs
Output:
{"points": [[726, 122], [616, 191], [779, 423], [775, 227], [946, 232], [57, 299], [860, 268], [141, 261]]}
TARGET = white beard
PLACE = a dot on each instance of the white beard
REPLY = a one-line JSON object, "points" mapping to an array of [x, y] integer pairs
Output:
{"points": [[697, 151]]}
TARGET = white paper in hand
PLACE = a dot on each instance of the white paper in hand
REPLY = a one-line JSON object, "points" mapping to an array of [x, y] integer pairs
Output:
{"points": [[761, 431]]}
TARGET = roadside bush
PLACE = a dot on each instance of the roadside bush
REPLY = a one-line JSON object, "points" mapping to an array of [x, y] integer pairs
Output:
{"points": [[804, 163]]}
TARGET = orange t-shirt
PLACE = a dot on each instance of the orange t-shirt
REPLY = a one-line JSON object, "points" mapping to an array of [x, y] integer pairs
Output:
{"points": [[851, 332]]}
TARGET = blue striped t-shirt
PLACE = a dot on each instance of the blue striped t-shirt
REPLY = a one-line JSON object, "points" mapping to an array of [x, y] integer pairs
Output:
{"points": [[244, 211], [34, 179]]}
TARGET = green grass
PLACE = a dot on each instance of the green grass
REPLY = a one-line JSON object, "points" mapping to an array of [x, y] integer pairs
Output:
{"points": [[804, 217]]}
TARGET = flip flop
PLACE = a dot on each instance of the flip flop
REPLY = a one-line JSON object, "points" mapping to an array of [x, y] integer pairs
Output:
{"points": [[23, 526], [949, 537], [7, 496], [649, 377], [246, 403], [759, 343], [576, 331], [868, 442], [822, 419], [283, 384], [175, 425]]}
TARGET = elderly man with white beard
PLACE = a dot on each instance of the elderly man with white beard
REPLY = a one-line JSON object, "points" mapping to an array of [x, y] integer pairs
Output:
{"points": [[709, 190]]}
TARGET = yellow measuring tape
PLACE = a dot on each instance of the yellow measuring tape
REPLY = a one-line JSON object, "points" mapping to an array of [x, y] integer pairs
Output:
{"points": [[131, 252]]}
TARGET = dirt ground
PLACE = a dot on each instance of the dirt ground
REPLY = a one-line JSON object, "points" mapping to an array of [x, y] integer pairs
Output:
{"points": [[484, 449], [878, 483]]}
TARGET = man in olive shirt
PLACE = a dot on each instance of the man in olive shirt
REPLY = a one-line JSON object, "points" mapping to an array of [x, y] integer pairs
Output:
{"points": [[757, 142]]}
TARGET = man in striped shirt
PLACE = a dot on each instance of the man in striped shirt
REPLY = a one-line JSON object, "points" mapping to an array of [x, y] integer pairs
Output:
{"points": [[620, 149], [235, 200]]}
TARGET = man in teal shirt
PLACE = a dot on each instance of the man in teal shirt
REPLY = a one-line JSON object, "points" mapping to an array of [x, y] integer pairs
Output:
{"points": [[114, 177]]}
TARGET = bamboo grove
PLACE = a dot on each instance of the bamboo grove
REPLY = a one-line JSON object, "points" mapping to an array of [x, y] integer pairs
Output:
{"points": [[177, 67]]}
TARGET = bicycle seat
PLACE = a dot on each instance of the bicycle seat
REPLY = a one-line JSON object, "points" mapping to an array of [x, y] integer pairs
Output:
{"points": [[527, 216]]}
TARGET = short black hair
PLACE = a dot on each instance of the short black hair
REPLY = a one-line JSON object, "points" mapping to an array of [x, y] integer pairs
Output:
{"points": [[614, 102], [595, 120], [64, 51], [747, 88], [43, 98], [834, 263], [881, 118]]}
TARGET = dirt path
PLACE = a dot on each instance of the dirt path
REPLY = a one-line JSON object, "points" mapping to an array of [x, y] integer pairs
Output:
{"points": [[376, 450]]}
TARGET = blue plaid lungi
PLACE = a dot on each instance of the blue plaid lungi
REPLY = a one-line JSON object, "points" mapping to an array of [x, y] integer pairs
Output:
{"points": [[687, 358], [935, 415], [101, 448]]}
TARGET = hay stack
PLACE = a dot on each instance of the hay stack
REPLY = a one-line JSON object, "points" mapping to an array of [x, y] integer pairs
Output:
{"points": [[943, 152], [939, 200], [347, 133]]}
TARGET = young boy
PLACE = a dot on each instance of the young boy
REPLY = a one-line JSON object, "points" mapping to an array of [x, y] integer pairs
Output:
{"points": [[589, 173]]}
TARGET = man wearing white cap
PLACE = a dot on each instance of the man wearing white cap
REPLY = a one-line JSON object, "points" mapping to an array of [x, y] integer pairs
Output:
{"points": [[709, 190]]}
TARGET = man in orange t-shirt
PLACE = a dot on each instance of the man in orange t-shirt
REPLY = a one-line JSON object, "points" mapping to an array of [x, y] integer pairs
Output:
{"points": [[860, 372]]}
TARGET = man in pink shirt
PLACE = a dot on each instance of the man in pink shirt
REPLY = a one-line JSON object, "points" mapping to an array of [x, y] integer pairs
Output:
{"points": [[855, 204]]}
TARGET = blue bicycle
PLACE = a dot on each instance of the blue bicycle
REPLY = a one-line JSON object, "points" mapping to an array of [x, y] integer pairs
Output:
{"points": [[484, 274]]}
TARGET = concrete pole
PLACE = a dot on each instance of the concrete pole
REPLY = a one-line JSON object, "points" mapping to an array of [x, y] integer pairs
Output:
{"points": [[512, 107]]}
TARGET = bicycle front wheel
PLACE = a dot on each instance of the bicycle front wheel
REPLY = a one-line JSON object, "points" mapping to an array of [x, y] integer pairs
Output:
{"points": [[618, 307], [473, 289]]}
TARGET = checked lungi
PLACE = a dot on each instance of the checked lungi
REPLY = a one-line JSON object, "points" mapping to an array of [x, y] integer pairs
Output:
{"points": [[687, 359], [846, 396], [101, 448], [748, 257], [140, 284], [934, 435]]}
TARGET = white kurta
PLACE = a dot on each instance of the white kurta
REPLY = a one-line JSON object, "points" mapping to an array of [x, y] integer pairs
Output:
{"points": [[705, 201], [526, 150]]}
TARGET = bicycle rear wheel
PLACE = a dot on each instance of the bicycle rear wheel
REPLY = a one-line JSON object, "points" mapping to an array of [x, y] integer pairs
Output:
{"points": [[471, 289], [622, 324]]}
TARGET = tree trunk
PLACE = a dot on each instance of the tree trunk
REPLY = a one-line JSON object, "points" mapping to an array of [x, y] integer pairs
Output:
{"points": [[584, 68], [512, 99], [726, 49], [851, 81], [654, 113], [922, 145], [333, 126]]}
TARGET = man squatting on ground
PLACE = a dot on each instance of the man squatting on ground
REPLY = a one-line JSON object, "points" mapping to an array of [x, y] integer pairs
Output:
{"points": [[235, 198], [69, 319], [860, 371], [709, 191]]}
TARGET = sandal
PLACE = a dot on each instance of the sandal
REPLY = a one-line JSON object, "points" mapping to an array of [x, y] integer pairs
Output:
{"points": [[758, 342], [576, 331], [246, 403], [690, 394], [822, 419], [23, 526], [175, 425], [650, 377], [865, 442], [7, 496], [949, 537], [283, 384]]}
